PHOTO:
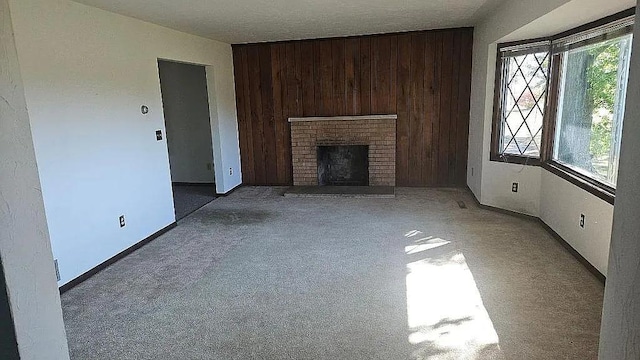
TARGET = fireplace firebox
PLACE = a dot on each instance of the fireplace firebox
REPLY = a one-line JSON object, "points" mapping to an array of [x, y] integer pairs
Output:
{"points": [[343, 165]]}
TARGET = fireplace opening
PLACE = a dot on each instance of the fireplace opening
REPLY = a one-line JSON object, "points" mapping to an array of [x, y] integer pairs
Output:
{"points": [[343, 165]]}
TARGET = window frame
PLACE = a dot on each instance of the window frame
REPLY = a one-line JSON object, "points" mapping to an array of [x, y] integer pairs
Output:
{"points": [[496, 127], [587, 183]]}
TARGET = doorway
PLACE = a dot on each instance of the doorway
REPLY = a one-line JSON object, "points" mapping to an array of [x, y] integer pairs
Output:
{"points": [[185, 102]]}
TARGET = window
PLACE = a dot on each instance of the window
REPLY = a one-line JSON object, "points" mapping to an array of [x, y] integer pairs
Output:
{"points": [[590, 110], [521, 96], [559, 102]]}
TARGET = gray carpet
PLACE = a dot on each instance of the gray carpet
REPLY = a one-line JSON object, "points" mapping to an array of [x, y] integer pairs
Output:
{"points": [[256, 275], [189, 198]]}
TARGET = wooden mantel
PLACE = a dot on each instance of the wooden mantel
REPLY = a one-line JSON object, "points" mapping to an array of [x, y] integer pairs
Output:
{"points": [[344, 118]]}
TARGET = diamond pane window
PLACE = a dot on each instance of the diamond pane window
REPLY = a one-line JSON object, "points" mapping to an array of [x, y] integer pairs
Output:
{"points": [[523, 92]]}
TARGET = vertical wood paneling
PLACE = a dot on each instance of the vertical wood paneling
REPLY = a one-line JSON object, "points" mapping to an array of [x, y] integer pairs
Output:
{"points": [[365, 75], [446, 78], [403, 126], [429, 105], [268, 125], [380, 74], [417, 118], [279, 81], [393, 73], [257, 127], [464, 95], [455, 115], [324, 77], [424, 77], [338, 66], [239, 69], [352, 76], [308, 78], [435, 125]]}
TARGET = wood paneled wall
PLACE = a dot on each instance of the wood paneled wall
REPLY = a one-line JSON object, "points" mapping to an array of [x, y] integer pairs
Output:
{"points": [[424, 77]]}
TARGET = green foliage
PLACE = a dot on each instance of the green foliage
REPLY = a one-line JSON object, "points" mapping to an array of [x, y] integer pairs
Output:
{"points": [[602, 77]]}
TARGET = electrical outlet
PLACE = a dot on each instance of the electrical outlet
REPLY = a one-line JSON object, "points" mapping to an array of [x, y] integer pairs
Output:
{"points": [[582, 221], [514, 187], [230, 171], [158, 135], [122, 223], [55, 263]]}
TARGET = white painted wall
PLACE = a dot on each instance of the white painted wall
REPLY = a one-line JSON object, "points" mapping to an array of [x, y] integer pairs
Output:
{"points": [[488, 179], [24, 240], [620, 332], [86, 73], [491, 181], [186, 116], [560, 208]]}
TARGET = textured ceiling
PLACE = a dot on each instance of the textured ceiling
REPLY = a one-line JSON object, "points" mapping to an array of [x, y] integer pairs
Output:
{"points": [[242, 21]]}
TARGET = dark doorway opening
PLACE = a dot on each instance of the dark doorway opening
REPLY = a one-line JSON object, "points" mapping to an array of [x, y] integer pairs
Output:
{"points": [[185, 100], [343, 165]]}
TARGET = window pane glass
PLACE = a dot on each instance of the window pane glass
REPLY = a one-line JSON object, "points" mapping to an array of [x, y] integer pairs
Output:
{"points": [[523, 96], [591, 107]]}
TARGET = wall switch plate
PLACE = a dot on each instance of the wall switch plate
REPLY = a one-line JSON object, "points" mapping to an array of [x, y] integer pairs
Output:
{"points": [[582, 221], [55, 264], [158, 135], [514, 187], [122, 223]]}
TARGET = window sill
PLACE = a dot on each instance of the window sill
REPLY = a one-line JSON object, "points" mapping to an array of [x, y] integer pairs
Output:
{"points": [[586, 183], [515, 159]]}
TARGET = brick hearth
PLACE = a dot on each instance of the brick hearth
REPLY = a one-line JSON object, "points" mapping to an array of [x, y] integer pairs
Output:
{"points": [[377, 131]]}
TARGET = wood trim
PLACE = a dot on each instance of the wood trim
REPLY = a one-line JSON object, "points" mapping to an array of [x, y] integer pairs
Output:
{"points": [[494, 153], [551, 108], [586, 183], [592, 269], [344, 118], [594, 24], [522, 42], [515, 159], [500, 210], [230, 191], [181, 183], [82, 278], [497, 109]]}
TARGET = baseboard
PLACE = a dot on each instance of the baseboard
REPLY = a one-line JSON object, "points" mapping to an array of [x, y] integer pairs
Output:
{"points": [[80, 279], [180, 183], [592, 269], [230, 191], [600, 276], [500, 210]]}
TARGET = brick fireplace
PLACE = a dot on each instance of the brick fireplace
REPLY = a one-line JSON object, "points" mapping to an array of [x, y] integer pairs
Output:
{"points": [[378, 132]]}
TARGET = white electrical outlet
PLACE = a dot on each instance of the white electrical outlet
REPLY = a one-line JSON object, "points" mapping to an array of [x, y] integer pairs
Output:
{"points": [[230, 171]]}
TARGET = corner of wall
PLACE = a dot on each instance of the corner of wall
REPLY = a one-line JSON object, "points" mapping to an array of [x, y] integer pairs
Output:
{"points": [[25, 248]]}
